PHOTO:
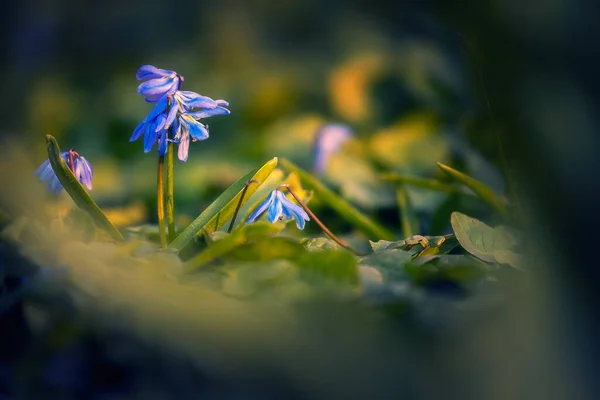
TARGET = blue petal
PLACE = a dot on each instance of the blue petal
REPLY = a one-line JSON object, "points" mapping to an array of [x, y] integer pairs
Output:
{"points": [[222, 103], [162, 142], [54, 185], [159, 108], [262, 207], [155, 98], [139, 130], [209, 112], [196, 130], [290, 209], [150, 137], [84, 172], [158, 86], [48, 173], [172, 115], [161, 120], [176, 130], [276, 209], [184, 144], [150, 71], [42, 168], [194, 100]]}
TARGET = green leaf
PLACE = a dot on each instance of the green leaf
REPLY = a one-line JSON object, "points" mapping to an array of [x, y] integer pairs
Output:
{"points": [[408, 217], [320, 243], [269, 248], [250, 278], [509, 257], [230, 242], [74, 189], [344, 209], [479, 239], [334, 265], [480, 189], [222, 209], [390, 263], [456, 268]]}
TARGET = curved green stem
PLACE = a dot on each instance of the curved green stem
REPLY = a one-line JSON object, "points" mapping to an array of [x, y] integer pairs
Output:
{"points": [[160, 200], [240, 202], [318, 221]]}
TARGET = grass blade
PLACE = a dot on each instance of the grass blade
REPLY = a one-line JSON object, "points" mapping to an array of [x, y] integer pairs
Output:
{"points": [[408, 218], [479, 188], [74, 189]]}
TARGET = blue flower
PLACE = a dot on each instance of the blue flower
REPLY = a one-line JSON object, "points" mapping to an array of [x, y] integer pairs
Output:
{"points": [[329, 140], [279, 207], [80, 167], [158, 82], [153, 129], [176, 114]]}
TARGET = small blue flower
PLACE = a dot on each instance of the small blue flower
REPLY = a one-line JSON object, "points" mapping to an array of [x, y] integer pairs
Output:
{"points": [[153, 129], [329, 140], [279, 207], [80, 167], [176, 114], [158, 82]]}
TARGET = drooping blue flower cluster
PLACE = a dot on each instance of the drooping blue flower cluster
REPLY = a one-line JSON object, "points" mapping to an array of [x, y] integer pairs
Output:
{"points": [[279, 207], [176, 115], [80, 167]]}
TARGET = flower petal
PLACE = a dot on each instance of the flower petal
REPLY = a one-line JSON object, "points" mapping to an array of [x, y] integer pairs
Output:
{"points": [[42, 168], [85, 172], [209, 112], [162, 142], [150, 71], [172, 115], [184, 144], [262, 207], [150, 137], [176, 130], [48, 173], [194, 100], [139, 130], [196, 130], [54, 185], [158, 86], [292, 210], [159, 108], [275, 210]]}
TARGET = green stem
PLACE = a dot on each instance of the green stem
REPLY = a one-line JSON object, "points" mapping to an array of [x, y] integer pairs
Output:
{"points": [[318, 221], [170, 191], [240, 202], [160, 200]]}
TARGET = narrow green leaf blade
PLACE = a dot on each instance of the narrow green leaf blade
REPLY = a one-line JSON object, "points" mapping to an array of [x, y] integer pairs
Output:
{"points": [[408, 218], [346, 211], [479, 188], [74, 189], [222, 209]]}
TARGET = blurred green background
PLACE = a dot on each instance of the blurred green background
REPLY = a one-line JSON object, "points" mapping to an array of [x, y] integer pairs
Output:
{"points": [[413, 80], [403, 82]]}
